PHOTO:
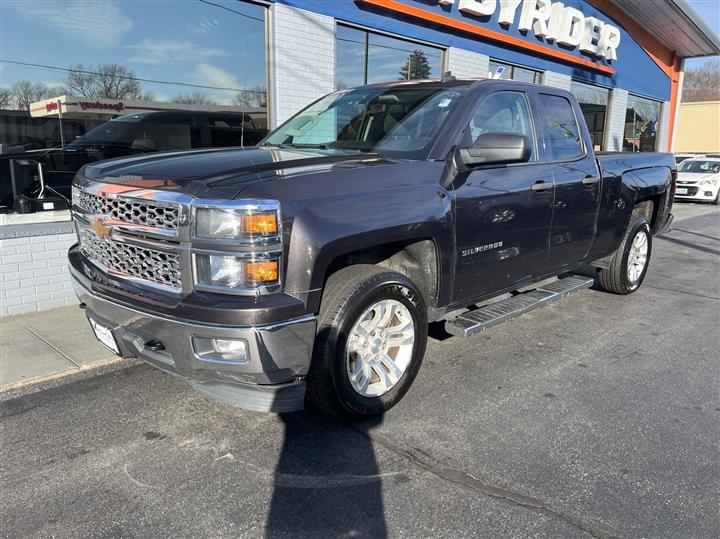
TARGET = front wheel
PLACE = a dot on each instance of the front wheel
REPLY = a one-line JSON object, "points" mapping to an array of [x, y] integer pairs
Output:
{"points": [[372, 333], [629, 264]]}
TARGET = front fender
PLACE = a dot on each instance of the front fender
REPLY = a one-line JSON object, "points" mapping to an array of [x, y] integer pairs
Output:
{"points": [[330, 228]]}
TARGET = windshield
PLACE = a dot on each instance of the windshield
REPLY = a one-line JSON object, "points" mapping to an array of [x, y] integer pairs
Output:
{"points": [[402, 122], [132, 133], [700, 167], [117, 131]]}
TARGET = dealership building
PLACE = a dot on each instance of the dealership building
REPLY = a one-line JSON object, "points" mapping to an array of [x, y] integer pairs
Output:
{"points": [[622, 59]]}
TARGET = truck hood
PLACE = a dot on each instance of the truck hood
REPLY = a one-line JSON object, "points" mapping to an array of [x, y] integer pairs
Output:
{"points": [[218, 173], [694, 177]]}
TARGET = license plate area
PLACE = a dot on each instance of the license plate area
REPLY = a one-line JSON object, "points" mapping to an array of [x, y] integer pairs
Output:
{"points": [[105, 335], [681, 191]]}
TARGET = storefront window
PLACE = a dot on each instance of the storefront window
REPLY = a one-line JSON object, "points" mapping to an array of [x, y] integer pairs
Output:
{"points": [[366, 58], [641, 124], [511, 72], [593, 101], [187, 76]]}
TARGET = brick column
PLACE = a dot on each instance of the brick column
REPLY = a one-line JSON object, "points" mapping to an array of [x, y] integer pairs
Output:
{"points": [[663, 142], [302, 59], [467, 64], [615, 121], [556, 80]]}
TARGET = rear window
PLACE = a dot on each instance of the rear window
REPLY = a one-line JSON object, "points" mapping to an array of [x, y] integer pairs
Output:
{"points": [[560, 128]]}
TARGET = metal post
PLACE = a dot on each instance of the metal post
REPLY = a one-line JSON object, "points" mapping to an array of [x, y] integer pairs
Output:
{"points": [[367, 52], [62, 135]]}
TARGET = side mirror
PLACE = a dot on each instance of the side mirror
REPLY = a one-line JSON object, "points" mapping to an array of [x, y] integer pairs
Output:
{"points": [[495, 148]]}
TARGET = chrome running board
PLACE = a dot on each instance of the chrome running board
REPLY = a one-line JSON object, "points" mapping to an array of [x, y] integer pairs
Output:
{"points": [[472, 322]]}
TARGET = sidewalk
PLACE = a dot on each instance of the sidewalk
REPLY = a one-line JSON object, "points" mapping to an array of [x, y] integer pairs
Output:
{"points": [[42, 345]]}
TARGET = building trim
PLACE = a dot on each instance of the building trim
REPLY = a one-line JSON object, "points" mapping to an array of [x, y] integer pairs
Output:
{"points": [[478, 31], [394, 35]]}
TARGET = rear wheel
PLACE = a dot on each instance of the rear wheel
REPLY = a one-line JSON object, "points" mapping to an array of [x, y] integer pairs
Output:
{"points": [[629, 264], [372, 333]]}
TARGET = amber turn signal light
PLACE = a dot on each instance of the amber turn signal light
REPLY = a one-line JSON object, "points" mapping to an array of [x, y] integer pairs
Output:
{"points": [[260, 224], [262, 272]]}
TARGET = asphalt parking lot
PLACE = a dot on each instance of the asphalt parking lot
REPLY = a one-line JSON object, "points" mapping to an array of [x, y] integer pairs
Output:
{"points": [[596, 416]]}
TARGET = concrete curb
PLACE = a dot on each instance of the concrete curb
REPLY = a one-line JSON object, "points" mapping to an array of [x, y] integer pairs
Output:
{"points": [[22, 384]]}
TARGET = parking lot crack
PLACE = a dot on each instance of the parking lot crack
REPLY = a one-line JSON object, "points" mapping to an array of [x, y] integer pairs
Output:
{"points": [[465, 480]]}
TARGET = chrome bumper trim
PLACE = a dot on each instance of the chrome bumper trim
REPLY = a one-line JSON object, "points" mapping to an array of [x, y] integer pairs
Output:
{"points": [[271, 380]]}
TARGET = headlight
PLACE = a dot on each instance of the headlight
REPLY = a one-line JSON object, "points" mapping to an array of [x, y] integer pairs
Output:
{"points": [[709, 182], [247, 224], [237, 273]]}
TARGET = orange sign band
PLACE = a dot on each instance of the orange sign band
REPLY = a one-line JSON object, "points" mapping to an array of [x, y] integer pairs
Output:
{"points": [[479, 31]]}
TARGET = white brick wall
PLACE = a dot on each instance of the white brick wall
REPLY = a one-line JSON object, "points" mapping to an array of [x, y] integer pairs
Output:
{"points": [[467, 64], [556, 80], [34, 273], [664, 128], [303, 59], [615, 121]]}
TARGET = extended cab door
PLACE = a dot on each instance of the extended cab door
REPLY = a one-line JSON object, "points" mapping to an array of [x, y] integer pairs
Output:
{"points": [[503, 211], [566, 146]]}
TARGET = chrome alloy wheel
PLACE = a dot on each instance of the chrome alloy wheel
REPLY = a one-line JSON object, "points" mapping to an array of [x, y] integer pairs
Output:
{"points": [[380, 347], [637, 258]]}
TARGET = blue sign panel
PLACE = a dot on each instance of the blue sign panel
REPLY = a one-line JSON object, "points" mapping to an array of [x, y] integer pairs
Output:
{"points": [[635, 70]]}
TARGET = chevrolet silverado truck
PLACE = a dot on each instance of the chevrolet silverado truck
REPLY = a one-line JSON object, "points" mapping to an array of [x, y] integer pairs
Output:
{"points": [[310, 266]]}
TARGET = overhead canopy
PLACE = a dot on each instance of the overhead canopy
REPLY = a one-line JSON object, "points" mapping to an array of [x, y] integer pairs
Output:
{"points": [[675, 24]]}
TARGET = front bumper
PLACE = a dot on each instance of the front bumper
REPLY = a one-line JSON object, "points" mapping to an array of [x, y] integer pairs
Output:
{"points": [[271, 379], [706, 193]]}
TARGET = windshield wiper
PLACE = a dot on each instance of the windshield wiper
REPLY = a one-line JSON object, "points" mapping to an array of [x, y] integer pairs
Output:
{"points": [[319, 146]]}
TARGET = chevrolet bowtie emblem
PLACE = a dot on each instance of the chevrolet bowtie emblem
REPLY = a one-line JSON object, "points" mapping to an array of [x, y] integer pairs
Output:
{"points": [[98, 225]]}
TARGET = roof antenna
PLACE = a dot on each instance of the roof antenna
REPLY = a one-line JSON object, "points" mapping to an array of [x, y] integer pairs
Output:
{"points": [[448, 77]]}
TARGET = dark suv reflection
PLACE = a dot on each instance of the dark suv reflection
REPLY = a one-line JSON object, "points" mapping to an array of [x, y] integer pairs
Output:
{"points": [[131, 135]]}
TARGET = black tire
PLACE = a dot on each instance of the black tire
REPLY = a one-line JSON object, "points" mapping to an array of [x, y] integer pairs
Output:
{"points": [[717, 199], [348, 294], [615, 278]]}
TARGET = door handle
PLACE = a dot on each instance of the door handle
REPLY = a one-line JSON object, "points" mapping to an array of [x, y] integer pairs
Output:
{"points": [[541, 186], [590, 180]]}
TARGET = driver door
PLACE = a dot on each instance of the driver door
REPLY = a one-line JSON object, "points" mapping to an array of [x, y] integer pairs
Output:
{"points": [[503, 211]]}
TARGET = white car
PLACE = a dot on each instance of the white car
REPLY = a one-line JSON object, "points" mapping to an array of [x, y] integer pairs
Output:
{"points": [[680, 157], [699, 179]]}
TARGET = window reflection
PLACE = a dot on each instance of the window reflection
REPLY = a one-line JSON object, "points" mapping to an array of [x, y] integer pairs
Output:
{"points": [[193, 76], [641, 124], [593, 101], [366, 58], [561, 131], [511, 72], [351, 66]]}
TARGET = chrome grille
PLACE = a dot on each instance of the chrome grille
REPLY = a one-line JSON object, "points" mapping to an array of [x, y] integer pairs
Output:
{"points": [[139, 262], [129, 210]]}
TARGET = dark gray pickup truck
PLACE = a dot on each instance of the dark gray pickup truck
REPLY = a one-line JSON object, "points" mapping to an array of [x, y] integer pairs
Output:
{"points": [[311, 265]]}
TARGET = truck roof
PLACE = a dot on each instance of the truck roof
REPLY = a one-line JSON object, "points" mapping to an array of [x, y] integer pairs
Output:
{"points": [[181, 114], [448, 82]]}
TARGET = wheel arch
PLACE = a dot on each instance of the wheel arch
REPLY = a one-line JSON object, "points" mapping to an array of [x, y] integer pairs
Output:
{"points": [[416, 258]]}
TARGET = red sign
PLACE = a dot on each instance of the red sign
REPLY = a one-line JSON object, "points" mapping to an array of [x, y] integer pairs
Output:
{"points": [[117, 107], [51, 106]]}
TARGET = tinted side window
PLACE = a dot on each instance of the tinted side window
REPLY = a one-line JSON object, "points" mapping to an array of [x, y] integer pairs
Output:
{"points": [[561, 131], [154, 137], [504, 112]]}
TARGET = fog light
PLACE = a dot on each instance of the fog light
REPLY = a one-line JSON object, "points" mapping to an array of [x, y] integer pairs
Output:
{"points": [[708, 193], [225, 350]]}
